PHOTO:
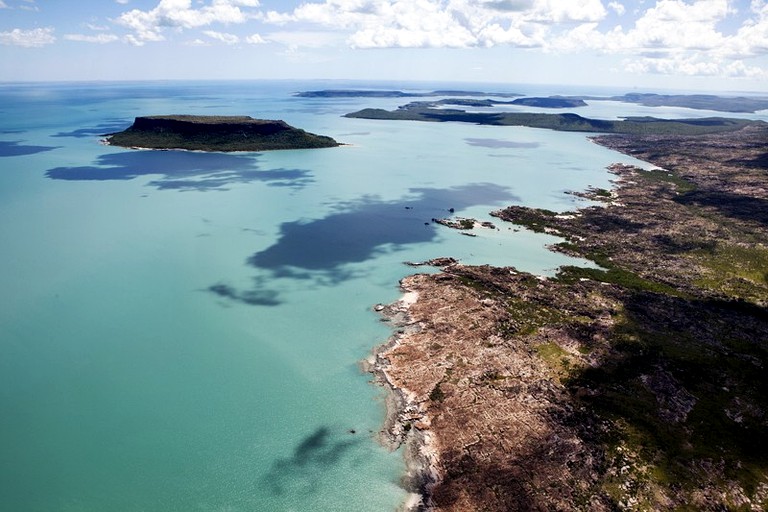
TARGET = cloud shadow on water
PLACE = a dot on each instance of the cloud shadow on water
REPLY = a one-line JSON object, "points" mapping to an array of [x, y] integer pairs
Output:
{"points": [[321, 252], [111, 126], [302, 472], [15, 148], [501, 143], [366, 228], [183, 170], [255, 297]]}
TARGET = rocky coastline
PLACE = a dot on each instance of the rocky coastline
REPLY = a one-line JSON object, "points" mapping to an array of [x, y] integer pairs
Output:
{"points": [[405, 421], [634, 386]]}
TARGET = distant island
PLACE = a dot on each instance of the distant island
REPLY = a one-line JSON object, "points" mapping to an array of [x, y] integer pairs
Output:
{"points": [[216, 133], [736, 104], [421, 111], [695, 101], [380, 93], [544, 102], [550, 102]]}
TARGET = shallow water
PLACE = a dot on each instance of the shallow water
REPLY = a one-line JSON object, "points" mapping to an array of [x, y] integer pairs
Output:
{"points": [[181, 331]]}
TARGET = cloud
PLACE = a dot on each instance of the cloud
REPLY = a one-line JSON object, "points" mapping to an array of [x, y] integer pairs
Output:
{"points": [[34, 38], [179, 14], [442, 23], [416, 24], [97, 28], [674, 37], [661, 36], [222, 36], [3, 5], [255, 39], [100, 38], [617, 7], [694, 66]]}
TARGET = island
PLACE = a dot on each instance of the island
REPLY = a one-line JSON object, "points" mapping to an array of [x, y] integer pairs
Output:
{"points": [[426, 111], [216, 133], [638, 384], [736, 104], [384, 93], [694, 101], [550, 102]]}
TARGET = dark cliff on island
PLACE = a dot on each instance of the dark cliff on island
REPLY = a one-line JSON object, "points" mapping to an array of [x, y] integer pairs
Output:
{"points": [[216, 133]]}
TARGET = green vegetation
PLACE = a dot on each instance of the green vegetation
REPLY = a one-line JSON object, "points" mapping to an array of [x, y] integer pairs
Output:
{"points": [[466, 223], [526, 317], [557, 358], [600, 192], [707, 401], [614, 275], [736, 270], [660, 175], [534, 219]]}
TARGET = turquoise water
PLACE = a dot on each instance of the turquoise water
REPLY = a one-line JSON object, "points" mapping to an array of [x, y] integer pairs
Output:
{"points": [[181, 331]]}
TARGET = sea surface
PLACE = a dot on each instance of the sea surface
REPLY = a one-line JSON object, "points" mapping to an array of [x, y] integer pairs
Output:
{"points": [[182, 331]]}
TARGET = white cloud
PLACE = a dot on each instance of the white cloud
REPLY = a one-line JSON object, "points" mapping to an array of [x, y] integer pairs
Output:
{"points": [[679, 38], [694, 66], [617, 7], [3, 5], [415, 24], [683, 37], [99, 38], [752, 37], [559, 11], [97, 28], [222, 36], [34, 38], [179, 14], [255, 39], [443, 23]]}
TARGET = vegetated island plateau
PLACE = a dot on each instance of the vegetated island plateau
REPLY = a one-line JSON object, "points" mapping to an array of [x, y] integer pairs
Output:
{"points": [[216, 133], [637, 385]]}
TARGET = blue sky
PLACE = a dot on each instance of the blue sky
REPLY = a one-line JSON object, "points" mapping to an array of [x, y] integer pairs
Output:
{"points": [[685, 44]]}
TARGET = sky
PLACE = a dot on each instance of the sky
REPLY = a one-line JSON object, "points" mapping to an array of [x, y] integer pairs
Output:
{"points": [[699, 45]]}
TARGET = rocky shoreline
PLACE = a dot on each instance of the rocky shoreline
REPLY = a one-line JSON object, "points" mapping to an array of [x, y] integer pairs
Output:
{"points": [[635, 386], [403, 410]]}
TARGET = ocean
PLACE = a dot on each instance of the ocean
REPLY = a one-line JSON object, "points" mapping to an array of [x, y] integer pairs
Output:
{"points": [[182, 331]]}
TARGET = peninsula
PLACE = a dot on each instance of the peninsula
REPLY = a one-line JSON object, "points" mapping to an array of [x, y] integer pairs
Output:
{"points": [[216, 133], [639, 385]]}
